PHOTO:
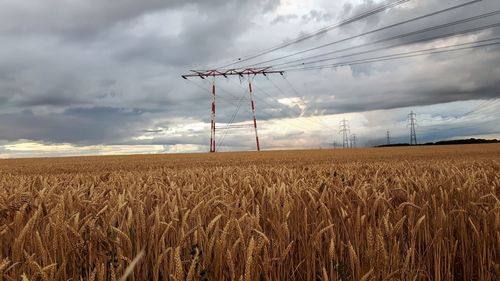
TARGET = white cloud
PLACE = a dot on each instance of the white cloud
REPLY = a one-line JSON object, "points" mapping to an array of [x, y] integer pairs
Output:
{"points": [[25, 148]]}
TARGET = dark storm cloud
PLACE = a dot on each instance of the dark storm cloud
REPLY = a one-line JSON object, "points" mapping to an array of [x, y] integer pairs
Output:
{"points": [[86, 18], [443, 133], [76, 125], [419, 97], [194, 45]]}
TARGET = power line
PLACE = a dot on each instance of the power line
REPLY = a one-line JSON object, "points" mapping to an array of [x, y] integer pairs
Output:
{"points": [[377, 10], [484, 105], [432, 51], [230, 126], [302, 122], [225, 129], [290, 110], [307, 118], [221, 141], [312, 116], [368, 32], [485, 110], [400, 36], [270, 117], [404, 44]]}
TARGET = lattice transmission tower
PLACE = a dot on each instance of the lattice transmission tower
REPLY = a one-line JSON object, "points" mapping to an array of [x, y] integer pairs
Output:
{"points": [[248, 72], [344, 130], [353, 140], [412, 123]]}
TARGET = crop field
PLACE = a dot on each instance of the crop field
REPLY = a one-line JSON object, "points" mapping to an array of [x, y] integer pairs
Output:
{"points": [[416, 213]]}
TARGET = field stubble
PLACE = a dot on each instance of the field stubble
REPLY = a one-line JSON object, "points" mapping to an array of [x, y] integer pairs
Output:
{"points": [[365, 214]]}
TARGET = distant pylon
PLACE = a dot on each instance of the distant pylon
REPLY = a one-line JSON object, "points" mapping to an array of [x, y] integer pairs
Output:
{"points": [[412, 123], [388, 138], [354, 138], [344, 130]]}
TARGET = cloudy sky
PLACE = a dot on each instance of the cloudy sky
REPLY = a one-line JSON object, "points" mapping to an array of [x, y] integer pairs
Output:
{"points": [[80, 77]]}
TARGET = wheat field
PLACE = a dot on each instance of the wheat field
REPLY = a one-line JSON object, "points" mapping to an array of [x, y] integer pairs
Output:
{"points": [[417, 213]]}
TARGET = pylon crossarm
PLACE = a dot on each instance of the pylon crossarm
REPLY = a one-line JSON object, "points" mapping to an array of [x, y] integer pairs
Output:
{"points": [[232, 72]]}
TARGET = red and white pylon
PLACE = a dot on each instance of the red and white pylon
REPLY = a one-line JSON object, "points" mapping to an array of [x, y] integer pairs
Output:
{"points": [[212, 134], [203, 74], [253, 112]]}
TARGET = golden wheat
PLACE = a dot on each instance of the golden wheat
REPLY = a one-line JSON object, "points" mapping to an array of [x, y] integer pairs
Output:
{"points": [[362, 214]]}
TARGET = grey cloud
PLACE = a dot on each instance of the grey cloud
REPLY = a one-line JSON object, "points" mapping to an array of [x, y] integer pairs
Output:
{"points": [[76, 125], [361, 69], [81, 19], [284, 18], [318, 16], [75, 18], [196, 43]]}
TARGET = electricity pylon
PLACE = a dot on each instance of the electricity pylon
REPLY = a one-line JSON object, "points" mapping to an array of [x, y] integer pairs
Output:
{"points": [[344, 130], [204, 74], [388, 138], [412, 123], [354, 138]]}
